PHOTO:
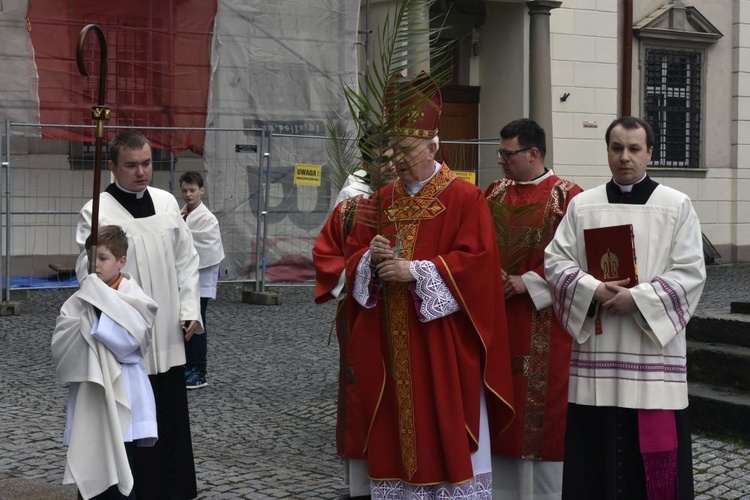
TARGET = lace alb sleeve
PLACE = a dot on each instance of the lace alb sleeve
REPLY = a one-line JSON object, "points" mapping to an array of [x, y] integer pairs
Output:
{"points": [[366, 285], [433, 297]]}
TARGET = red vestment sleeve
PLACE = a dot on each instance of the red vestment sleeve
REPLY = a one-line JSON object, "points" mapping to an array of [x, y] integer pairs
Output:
{"points": [[328, 256]]}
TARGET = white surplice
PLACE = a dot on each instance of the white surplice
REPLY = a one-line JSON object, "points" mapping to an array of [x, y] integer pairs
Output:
{"points": [[163, 261], [356, 184], [639, 361], [206, 233], [100, 415]]}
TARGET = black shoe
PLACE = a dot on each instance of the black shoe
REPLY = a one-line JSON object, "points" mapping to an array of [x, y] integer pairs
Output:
{"points": [[195, 380]]}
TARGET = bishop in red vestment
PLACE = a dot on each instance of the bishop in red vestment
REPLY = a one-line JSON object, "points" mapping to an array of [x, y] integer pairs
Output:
{"points": [[328, 257], [427, 333], [527, 206]]}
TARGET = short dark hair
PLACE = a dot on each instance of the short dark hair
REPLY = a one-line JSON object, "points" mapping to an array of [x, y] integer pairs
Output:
{"points": [[371, 140], [192, 178], [113, 238], [529, 133], [630, 123], [126, 140]]}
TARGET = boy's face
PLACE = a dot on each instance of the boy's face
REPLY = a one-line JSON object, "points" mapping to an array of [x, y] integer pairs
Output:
{"points": [[192, 194], [108, 267]]}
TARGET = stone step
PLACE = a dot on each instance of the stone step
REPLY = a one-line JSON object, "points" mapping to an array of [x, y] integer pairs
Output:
{"points": [[719, 364], [720, 328], [719, 411]]}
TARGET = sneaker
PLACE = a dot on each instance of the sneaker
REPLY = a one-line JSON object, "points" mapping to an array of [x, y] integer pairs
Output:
{"points": [[195, 380]]}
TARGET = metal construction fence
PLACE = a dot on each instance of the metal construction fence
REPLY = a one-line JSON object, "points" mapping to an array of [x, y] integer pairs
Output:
{"points": [[268, 214]]}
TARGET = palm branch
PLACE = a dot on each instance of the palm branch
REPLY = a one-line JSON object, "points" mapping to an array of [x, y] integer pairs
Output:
{"points": [[402, 52], [405, 48], [511, 225], [342, 152]]}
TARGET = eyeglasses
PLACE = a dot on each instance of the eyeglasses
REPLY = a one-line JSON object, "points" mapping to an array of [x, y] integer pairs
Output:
{"points": [[505, 154]]}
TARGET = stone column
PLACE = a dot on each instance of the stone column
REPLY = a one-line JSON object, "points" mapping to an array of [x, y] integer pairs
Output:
{"points": [[540, 73], [419, 20]]}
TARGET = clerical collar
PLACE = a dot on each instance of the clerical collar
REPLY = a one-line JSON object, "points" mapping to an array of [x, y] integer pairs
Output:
{"points": [[638, 194], [137, 207], [414, 188], [138, 194], [536, 180], [626, 188]]}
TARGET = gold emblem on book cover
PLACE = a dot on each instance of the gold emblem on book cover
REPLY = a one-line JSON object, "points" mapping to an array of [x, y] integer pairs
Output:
{"points": [[610, 265]]}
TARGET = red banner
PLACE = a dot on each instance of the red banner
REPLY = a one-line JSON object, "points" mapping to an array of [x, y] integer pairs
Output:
{"points": [[158, 70]]}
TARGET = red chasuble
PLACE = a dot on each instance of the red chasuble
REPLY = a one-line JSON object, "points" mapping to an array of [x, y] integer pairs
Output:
{"points": [[328, 251], [526, 217], [328, 256], [420, 382]]}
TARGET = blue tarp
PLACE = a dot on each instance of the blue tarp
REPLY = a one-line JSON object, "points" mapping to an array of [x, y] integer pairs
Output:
{"points": [[51, 281]]}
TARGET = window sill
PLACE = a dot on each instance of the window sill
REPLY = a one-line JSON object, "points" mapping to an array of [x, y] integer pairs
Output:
{"points": [[690, 173]]}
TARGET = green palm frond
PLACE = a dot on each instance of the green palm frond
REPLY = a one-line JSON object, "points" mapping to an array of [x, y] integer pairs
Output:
{"points": [[342, 152], [407, 45], [513, 227]]}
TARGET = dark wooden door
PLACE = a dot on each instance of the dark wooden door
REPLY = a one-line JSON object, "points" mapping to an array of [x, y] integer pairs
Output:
{"points": [[459, 121]]}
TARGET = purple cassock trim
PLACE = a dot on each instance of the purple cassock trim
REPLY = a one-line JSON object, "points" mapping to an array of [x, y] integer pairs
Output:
{"points": [[628, 366], [562, 295], [674, 299]]}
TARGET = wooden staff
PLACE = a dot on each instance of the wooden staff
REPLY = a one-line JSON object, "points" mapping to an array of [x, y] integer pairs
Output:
{"points": [[100, 114]]}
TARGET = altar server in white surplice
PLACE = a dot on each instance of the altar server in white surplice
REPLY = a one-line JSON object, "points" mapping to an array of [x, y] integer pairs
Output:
{"points": [[100, 338], [162, 259], [627, 431], [206, 233]]}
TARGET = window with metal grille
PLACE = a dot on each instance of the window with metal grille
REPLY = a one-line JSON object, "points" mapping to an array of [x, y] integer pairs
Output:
{"points": [[672, 101]]}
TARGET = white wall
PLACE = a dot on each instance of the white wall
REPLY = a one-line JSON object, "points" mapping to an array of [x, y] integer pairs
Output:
{"points": [[585, 58], [584, 53], [740, 147]]}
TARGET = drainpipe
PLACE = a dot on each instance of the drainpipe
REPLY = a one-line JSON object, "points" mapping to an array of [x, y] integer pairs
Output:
{"points": [[626, 86]]}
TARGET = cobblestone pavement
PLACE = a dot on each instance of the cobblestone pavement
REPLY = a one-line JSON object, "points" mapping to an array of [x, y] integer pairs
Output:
{"points": [[264, 427]]}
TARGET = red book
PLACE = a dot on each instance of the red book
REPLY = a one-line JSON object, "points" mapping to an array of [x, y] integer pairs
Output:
{"points": [[610, 253]]}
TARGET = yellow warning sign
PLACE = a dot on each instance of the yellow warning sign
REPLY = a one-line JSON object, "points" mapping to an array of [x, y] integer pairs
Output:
{"points": [[466, 175], [307, 175]]}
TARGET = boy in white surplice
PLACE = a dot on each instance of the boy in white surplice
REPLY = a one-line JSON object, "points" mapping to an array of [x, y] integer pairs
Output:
{"points": [[100, 337], [204, 227]]}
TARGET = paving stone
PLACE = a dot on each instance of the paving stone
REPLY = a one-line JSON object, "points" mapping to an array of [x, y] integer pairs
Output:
{"points": [[701, 485], [265, 425], [733, 493], [717, 470], [720, 491]]}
